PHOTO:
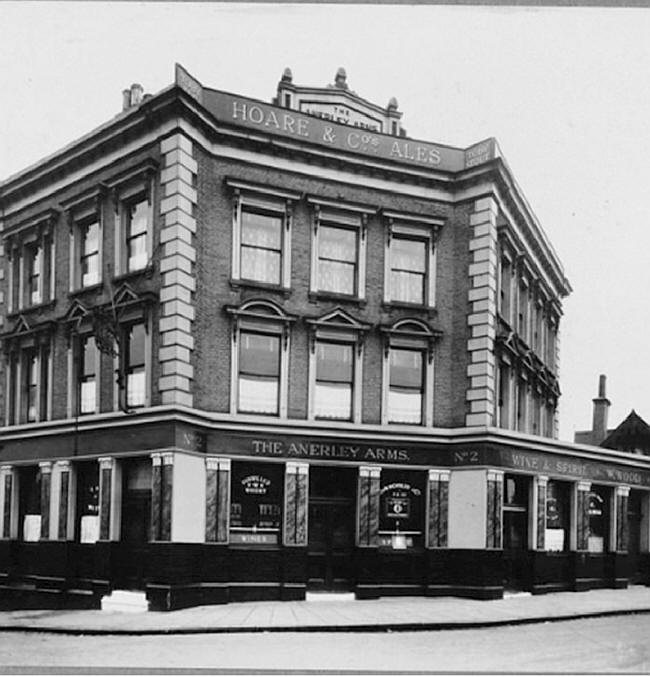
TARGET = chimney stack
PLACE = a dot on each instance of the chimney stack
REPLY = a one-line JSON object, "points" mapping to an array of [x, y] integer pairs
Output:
{"points": [[133, 96], [601, 410]]}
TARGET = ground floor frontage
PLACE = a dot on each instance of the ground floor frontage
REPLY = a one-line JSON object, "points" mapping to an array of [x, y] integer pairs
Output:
{"points": [[202, 512]]}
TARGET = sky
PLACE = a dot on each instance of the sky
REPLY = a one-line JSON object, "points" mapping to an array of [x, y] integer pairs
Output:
{"points": [[564, 90]]}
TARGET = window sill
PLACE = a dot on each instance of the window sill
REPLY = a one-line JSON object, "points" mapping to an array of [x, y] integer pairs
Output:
{"points": [[333, 296], [146, 272], [405, 305], [80, 291], [252, 284], [46, 305]]}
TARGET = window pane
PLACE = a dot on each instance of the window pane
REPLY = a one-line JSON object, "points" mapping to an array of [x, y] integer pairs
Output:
{"points": [[87, 366], [337, 243], [406, 369], [138, 216], [259, 355], [404, 407], [261, 230], [87, 397], [135, 388], [334, 362], [137, 252], [337, 277], [258, 395], [333, 400], [35, 262], [262, 265], [90, 236], [90, 270], [136, 342], [407, 287], [408, 255]]}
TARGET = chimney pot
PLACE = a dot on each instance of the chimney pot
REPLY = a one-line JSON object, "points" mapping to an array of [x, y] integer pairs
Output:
{"points": [[136, 94], [126, 99]]}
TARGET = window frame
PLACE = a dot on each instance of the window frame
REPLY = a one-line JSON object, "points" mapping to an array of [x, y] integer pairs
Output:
{"points": [[419, 228], [265, 200], [80, 216], [346, 216], [77, 339], [338, 327], [260, 316], [410, 334]]}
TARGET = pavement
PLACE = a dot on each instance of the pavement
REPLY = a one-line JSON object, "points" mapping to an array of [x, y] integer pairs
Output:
{"points": [[331, 613]]}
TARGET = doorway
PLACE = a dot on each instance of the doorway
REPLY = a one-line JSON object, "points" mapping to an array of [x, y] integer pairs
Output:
{"points": [[516, 490], [135, 523], [332, 510]]}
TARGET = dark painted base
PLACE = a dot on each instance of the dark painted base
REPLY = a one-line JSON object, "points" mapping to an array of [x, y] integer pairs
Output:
{"points": [[25, 597]]}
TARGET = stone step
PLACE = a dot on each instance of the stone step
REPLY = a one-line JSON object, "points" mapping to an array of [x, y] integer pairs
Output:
{"points": [[327, 596], [130, 601]]}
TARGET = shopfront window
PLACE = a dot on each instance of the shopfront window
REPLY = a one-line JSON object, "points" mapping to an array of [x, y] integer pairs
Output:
{"points": [[516, 491], [256, 503], [401, 509], [598, 512], [87, 507], [558, 512]]}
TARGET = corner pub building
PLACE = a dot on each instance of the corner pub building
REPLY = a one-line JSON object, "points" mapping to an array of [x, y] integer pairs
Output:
{"points": [[253, 350]]}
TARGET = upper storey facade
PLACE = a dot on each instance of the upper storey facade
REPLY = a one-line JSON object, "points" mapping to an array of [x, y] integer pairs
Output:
{"points": [[274, 262]]}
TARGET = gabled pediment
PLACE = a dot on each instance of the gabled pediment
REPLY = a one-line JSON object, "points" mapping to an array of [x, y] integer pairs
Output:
{"points": [[76, 312], [125, 295], [21, 326], [339, 319]]}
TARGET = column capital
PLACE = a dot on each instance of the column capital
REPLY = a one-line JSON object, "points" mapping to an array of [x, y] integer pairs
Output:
{"points": [[216, 463], [45, 467], [584, 486], [623, 490], [439, 475], [106, 462], [542, 480], [294, 468], [495, 475], [167, 458], [369, 471], [63, 465]]}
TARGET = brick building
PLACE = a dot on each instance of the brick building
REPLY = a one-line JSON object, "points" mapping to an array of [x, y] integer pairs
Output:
{"points": [[255, 349]]}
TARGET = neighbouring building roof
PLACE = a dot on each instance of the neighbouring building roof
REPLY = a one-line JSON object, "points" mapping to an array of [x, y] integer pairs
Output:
{"points": [[633, 434]]}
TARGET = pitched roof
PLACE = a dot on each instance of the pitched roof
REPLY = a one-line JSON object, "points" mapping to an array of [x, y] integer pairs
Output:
{"points": [[632, 434]]}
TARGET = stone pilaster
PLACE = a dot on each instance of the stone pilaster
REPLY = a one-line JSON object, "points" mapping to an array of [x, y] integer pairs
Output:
{"points": [[106, 471], [368, 511], [217, 500], [178, 259], [296, 503], [9, 502], [622, 526], [64, 499], [582, 515], [540, 487], [161, 496], [438, 509], [482, 299], [494, 512], [46, 491]]}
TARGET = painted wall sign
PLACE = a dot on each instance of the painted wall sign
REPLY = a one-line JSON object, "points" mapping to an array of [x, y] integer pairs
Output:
{"points": [[283, 122], [547, 464]]}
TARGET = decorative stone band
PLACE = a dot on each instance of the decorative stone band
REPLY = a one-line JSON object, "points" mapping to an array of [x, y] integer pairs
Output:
{"points": [[217, 500], [161, 496], [64, 499], [178, 258], [482, 315], [45, 468], [368, 526], [494, 507], [9, 513], [106, 466], [296, 503], [438, 509], [541, 484], [622, 525], [582, 515]]}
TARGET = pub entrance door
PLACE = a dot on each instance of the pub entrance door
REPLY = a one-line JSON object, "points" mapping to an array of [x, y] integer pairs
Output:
{"points": [[332, 510], [516, 562], [136, 523]]}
